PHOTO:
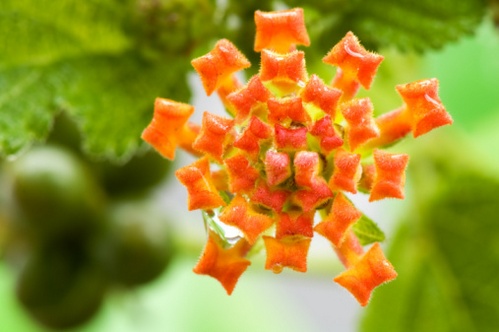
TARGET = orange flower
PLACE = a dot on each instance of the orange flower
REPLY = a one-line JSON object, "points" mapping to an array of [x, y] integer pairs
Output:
{"points": [[168, 127], [280, 31], [248, 98], [424, 106], [217, 67], [202, 192], [212, 135], [361, 126], [372, 270], [224, 264], [282, 109], [240, 214], [343, 215], [289, 251], [321, 95], [389, 175], [356, 65], [346, 171], [283, 70], [294, 223], [242, 176], [330, 139]]}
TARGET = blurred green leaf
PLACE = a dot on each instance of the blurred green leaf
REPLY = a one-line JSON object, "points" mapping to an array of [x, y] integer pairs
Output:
{"points": [[446, 254], [410, 25], [112, 98], [36, 32], [367, 231]]}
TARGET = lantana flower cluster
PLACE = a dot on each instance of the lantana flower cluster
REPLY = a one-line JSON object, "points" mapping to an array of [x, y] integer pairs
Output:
{"points": [[281, 165]]}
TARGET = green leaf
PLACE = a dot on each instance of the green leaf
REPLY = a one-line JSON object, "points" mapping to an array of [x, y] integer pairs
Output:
{"points": [[76, 56], [447, 258], [367, 231], [27, 106]]}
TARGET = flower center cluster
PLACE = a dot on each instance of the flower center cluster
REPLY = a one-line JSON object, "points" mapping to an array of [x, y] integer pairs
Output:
{"points": [[291, 149]]}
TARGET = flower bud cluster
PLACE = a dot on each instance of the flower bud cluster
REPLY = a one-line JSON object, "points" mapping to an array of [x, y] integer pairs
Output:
{"points": [[291, 151]]}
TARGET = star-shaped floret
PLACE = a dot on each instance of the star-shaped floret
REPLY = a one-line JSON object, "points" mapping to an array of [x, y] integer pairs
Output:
{"points": [[212, 136], [294, 223], [200, 187], [289, 251], [285, 71], [360, 127], [342, 216], [272, 198], [389, 175], [252, 135], [307, 166], [168, 127], [372, 270], [280, 30], [321, 95], [290, 138], [424, 106], [346, 172], [355, 61], [239, 213], [224, 264], [248, 98], [307, 174], [282, 109], [217, 66], [325, 131], [242, 175]]}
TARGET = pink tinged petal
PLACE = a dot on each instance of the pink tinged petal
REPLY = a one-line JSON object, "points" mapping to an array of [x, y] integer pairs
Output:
{"points": [[277, 167]]}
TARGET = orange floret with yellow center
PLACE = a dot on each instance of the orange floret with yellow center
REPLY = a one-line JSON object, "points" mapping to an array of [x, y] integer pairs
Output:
{"points": [[291, 152]]}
